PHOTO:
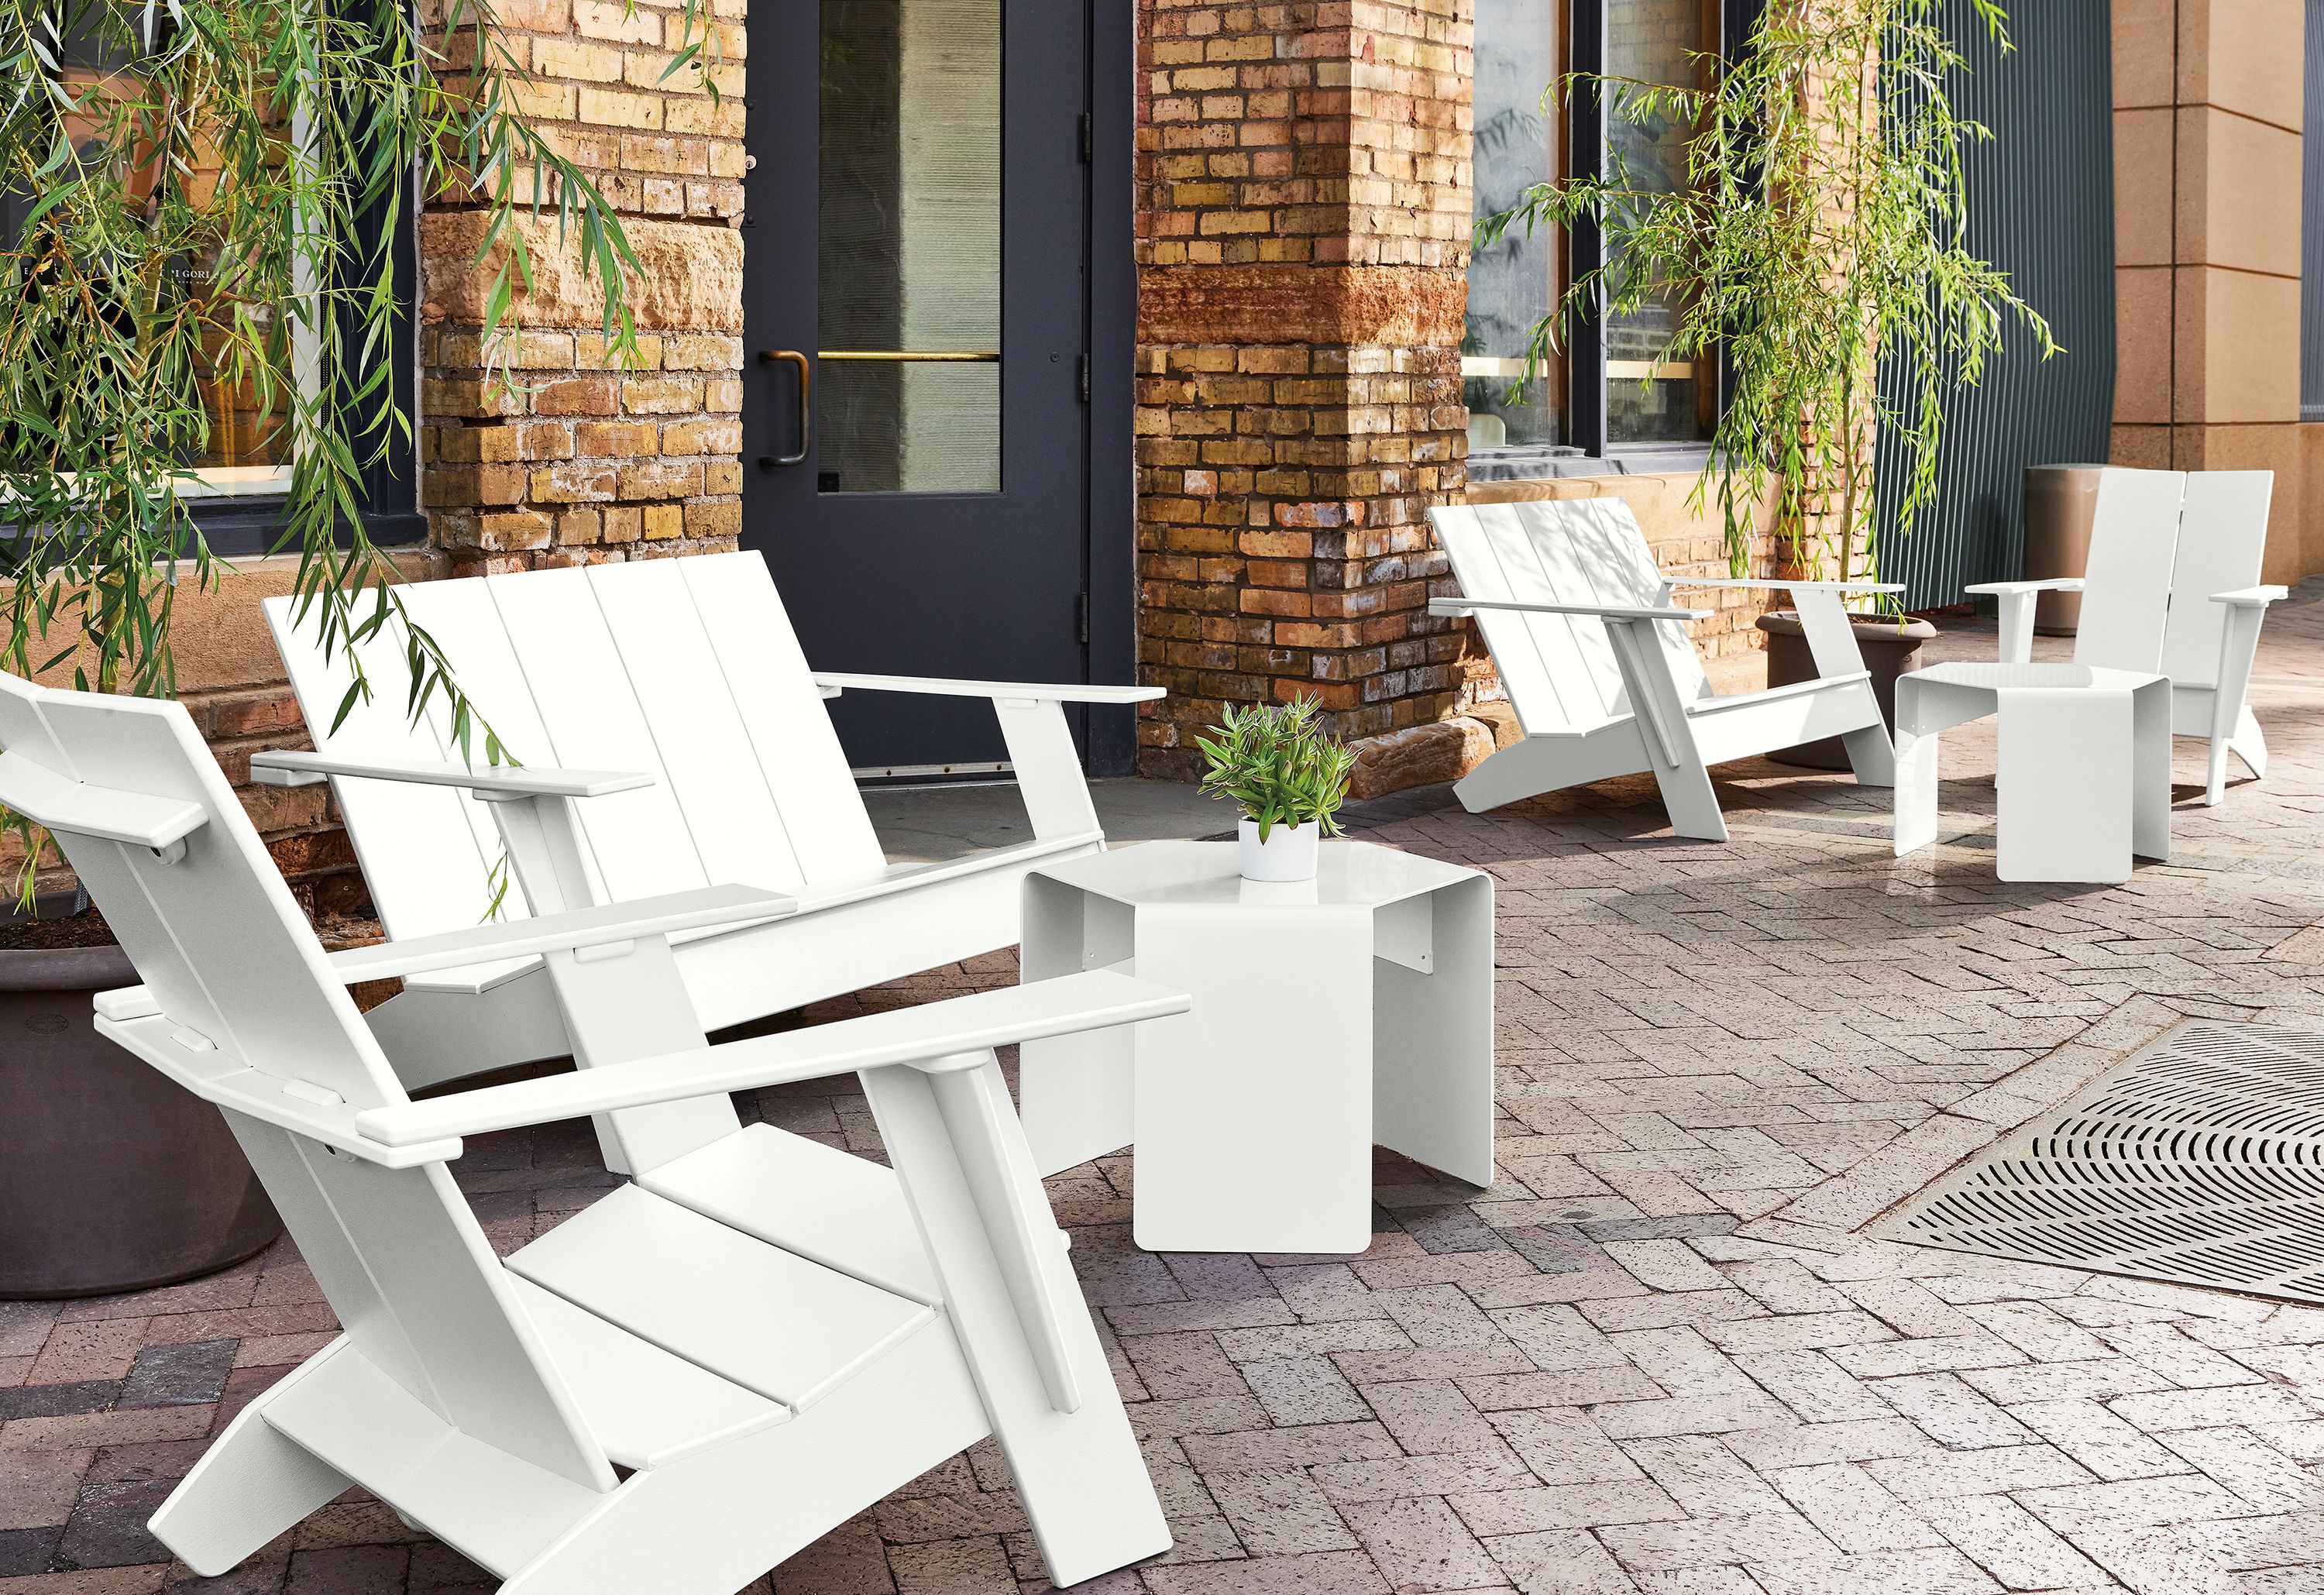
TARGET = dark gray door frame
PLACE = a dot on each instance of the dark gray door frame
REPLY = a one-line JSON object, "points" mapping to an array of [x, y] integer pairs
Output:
{"points": [[1113, 746]]}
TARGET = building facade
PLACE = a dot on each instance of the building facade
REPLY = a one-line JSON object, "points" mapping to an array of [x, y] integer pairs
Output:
{"points": [[1145, 343]]}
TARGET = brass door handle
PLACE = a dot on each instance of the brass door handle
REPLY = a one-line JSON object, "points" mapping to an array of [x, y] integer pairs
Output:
{"points": [[806, 388]]}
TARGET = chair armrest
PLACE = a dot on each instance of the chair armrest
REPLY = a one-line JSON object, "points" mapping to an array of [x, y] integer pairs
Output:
{"points": [[834, 681], [2056, 583], [61, 804], [606, 924], [930, 1034], [2252, 597], [1606, 611], [277, 768], [1778, 582]]}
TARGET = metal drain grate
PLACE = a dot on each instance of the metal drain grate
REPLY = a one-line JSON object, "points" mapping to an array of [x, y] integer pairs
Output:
{"points": [[2199, 1160]]}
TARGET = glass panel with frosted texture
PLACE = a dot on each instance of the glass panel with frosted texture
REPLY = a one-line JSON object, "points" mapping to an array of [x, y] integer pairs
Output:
{"points": [[909, 258], [1513, 285], [1656, 41]]}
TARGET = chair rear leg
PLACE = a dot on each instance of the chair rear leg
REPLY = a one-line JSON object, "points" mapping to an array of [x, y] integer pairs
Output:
{"points": [[249, 1485], [1024, 1327], [2248, 745]]}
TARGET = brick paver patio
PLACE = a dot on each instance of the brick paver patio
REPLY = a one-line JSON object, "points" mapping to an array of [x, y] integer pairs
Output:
{"points": [[1658, 1354]]}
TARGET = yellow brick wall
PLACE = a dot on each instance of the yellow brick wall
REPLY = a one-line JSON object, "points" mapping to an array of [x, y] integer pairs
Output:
{"points": [[1303, 180], [576, 462]]}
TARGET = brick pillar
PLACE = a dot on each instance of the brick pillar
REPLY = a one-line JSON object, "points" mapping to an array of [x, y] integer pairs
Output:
{"points": [[1304, 220], [2207, 129], [588, 464]]}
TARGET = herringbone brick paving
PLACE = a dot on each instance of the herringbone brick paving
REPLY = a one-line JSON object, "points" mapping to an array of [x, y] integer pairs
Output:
{"points": [[1659, 1354]]}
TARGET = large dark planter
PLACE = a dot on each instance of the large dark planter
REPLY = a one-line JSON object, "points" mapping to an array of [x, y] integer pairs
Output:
{"points": [[112, 1176], [1889, 650]]}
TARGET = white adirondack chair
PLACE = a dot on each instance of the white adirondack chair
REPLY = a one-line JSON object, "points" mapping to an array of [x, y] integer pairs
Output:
{"points": [[2172, 589], [646, 1398], [686, 669], [1597, 663]]}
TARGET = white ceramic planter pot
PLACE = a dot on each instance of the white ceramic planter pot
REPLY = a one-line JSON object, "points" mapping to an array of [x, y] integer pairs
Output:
{"points": [[1289, 853]]}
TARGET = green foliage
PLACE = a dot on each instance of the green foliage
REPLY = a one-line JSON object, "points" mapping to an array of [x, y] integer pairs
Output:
{"points": [[1819, 231], [1274, 761], [201, 263]]}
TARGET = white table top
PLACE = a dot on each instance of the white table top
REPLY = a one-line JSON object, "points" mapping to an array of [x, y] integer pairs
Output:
{"points": [[1348, 874], [1998, 677]]}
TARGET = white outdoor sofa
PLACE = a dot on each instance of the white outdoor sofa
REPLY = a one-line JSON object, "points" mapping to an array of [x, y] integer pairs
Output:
{"points": [[686, 671], [1596, 660]]}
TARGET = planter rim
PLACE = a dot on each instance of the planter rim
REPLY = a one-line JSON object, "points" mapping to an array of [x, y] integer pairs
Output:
{"points": [[65, 969], [1913, 629]]}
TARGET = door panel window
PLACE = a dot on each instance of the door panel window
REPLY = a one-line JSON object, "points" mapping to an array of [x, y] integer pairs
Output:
{"points": [[909, 268]]}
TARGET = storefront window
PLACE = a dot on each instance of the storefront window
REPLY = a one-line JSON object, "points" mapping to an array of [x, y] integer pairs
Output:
{"points": [[1655, 41], [1591, 393], [1514, 284], [245, 449]]}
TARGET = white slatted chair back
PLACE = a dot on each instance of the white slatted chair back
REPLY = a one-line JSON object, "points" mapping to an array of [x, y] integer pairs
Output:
{"points": [[2222, 548], [232, 963], [687, 669], [2128, 581], [1559, 670]]}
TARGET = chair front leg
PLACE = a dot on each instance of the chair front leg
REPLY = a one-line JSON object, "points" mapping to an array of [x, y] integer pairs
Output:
{"points": [[1831, 639], [615, 1005], [1049, 768], [2016, 644], [1678, 769], [2238, 643], [1010, 1290]]}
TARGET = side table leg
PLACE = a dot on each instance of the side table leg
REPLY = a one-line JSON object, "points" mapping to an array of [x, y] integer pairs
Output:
{"points": [[2150, 802], [1433, 1042], [1254, 1110], [2063, 785], [1915, 795], [1073, 1091]]}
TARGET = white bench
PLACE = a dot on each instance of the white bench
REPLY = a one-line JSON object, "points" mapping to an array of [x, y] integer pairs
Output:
{"points": [[688, 670], [1593, 656]]}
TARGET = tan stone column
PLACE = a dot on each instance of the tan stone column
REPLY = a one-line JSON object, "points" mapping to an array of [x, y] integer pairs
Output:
{"points": [[2206, 127], [584, 462], [1304, 218]]}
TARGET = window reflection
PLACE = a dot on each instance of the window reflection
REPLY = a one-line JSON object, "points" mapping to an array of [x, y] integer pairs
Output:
{"points": [[1515, 284], [910, 255], [246, 444], [1656, 41]]}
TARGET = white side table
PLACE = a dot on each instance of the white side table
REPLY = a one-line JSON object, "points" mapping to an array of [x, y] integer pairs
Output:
{"points": [[1329, 1015], [2083, 779]]}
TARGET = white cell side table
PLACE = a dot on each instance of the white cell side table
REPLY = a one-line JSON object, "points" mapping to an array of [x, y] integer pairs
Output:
{"points": [[2083, 777], [1329, 1015]]}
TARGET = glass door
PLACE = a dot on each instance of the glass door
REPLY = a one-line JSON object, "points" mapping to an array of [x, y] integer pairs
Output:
{"points": [[914, 429]]}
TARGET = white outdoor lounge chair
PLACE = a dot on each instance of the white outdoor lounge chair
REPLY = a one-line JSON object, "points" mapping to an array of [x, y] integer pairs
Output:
{"points": [[2172, 589], [687, 669], [1597, 663], [645, 1398]]}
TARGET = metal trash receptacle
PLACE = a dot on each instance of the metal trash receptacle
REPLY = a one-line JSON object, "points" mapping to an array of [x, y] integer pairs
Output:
{"points": [[2061, 507]]}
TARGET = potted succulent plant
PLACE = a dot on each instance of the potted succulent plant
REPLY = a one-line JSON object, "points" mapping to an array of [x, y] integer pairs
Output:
{"points": [[1289, 777], [200, 208]]}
